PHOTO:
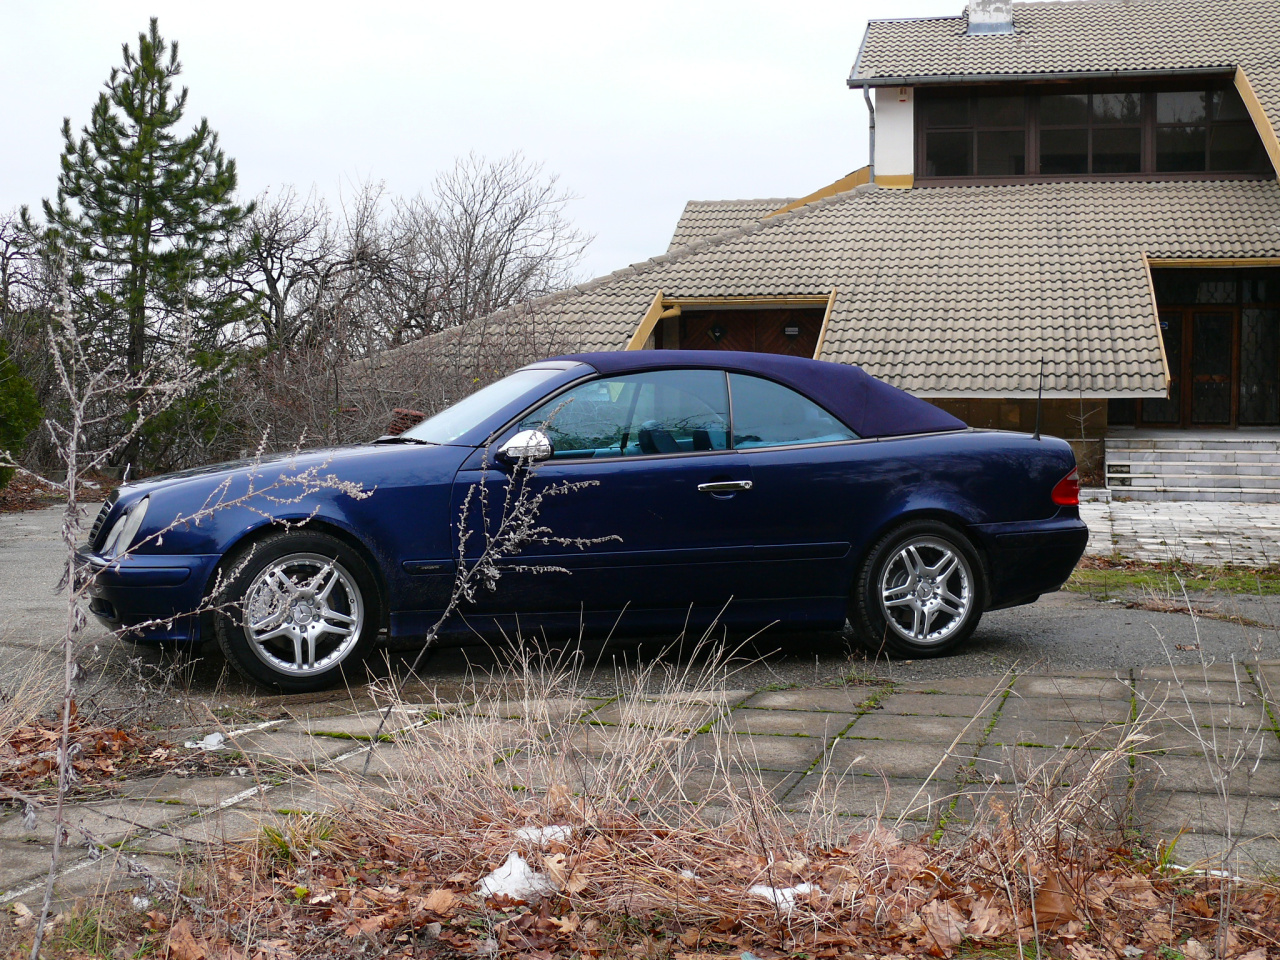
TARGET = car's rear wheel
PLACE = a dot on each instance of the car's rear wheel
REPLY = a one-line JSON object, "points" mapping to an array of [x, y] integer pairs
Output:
{"points": [[920, 590], [298, 611]]}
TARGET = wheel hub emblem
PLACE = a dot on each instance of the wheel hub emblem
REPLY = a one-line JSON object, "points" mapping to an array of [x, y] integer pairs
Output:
{"points": [[924, 590], [302, 613]]}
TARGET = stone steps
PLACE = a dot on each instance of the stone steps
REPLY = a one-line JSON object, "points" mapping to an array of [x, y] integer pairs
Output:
{"points": [[1187, 467]]}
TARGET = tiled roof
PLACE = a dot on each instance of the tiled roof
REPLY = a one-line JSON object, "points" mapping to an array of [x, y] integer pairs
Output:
{"points": [[703, 219], [1081, 36], [954, 291]]}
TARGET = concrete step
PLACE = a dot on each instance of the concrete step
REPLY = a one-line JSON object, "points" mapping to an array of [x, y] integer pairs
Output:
{"points": [[1122, 483], [1269, 444], [1183, 468], [1196, 493]]}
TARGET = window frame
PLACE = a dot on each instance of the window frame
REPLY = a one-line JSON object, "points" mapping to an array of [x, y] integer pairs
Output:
{"points": [[1032, 94], [515, 422]]}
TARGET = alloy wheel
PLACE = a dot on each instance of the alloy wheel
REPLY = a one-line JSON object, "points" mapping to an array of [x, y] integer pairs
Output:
{"points": [[926, 590], [303, 613]]}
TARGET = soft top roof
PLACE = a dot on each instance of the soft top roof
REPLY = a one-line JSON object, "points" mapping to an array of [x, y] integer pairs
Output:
{"points": [[869, 407]]}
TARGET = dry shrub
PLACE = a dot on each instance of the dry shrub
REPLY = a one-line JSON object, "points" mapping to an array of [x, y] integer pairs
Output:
{"points": [[661, 827], [26, 691]]}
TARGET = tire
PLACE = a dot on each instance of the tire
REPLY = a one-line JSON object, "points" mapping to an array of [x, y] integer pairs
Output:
{"points": [[920, 591], [298, 612]]}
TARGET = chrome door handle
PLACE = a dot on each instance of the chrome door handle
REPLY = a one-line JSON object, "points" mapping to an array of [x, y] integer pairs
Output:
{"points": [[725, 486]]}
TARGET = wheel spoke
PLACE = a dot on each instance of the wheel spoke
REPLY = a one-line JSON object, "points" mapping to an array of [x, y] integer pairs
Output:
{"points": [[283, 630], [914, 563], [928, 621], [269, 622], [901, 601], [902, 590], [297, 649], [917, 618], [328, 576], [945, 568], [281, 583]]}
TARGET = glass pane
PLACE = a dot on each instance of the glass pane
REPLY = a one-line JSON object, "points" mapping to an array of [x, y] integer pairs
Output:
{"points": [[1235, 146], [1179, 149], [1260, 367], [452, 422], [1211, 367], [1215, 291], [1117, 107], [1122, 413], [668, 411], [946, 111], [1060, 109], [1002, 153], [948, 154], [767, 414], [1000, 112], [1117, 149], [1227, 105], [1259, 286], [1183, 106], [1168, 410], [1064, 151]]}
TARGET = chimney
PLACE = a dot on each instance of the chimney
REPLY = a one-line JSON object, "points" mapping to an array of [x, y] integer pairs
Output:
{"points": [[990, 16]]}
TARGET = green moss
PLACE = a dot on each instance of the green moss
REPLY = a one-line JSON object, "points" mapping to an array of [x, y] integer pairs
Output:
{"points": [[1169, 579]]}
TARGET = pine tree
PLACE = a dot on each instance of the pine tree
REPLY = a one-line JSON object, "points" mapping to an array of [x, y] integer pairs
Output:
{"points": [[144, 217]]}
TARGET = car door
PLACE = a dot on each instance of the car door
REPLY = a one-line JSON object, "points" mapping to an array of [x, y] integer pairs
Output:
{"points": [[808, 496], [646, 506]]}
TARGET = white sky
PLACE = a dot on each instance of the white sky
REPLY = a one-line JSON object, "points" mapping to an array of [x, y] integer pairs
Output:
{"points": [[638, 107]]}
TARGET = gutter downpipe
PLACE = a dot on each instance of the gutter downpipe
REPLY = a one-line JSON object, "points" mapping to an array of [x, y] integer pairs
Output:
{"points": [[871, 112]]}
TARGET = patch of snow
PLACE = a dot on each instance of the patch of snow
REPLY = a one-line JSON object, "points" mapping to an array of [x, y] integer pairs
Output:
{"points": [[558, 831], [211, 742], [785, 898], [517, 880], [142, 903]]}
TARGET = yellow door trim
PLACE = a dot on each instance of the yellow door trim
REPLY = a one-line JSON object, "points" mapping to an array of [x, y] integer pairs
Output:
{"points": [[1260, 118], [896, 181], [647, 324], [1155, 312], [695, 302], [826, 320]]}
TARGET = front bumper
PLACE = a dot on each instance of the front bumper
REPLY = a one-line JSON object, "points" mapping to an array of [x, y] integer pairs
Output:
{"points": [[151, 597], [1025, 560]]}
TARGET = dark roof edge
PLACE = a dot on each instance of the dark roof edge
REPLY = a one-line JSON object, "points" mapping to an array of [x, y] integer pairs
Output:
{"points": [[857, 82]]}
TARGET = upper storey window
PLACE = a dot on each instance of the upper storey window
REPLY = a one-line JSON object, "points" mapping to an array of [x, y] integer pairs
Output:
{"points": [[1085, 133]]}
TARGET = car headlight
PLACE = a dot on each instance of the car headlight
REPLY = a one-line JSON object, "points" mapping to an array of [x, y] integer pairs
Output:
{"points": [[120, 538]]}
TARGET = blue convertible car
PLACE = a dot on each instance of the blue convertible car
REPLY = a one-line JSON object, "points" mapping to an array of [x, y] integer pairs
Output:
{"points": [[754, 488]]}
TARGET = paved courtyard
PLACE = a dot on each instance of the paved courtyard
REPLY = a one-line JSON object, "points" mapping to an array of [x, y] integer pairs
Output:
{"points": [[1202, 763], [1246, 534]]}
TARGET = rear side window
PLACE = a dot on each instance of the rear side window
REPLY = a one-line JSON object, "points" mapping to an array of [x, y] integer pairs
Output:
{"points": [[767, 414], [666, 411]]}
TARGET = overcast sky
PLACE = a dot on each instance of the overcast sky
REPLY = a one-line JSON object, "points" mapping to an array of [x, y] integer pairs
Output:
{"points": [[638, 107]]}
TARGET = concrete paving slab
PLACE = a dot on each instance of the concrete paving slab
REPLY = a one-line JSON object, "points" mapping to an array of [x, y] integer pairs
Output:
{"points": [[289, 747], [197, 792], [1197, 813], [940, 730], [765, 753], [544, 709], [659, 716], [714, 698], [600, 742], [1012, 731], [21, 862], [363, 725], [1202, 775], [1045, 766], [713, 784], [1215, 716], [1256, 856], [1069, 709], [872, 796], [937, 705], [318, 794], [387, 759], [117, 871], [1213, 672], [957, 686], [1098, 688], [223, 826], [897, 759], [835, 700], [107, 821], [1193, 690], [787, 723], [1181, 738]]}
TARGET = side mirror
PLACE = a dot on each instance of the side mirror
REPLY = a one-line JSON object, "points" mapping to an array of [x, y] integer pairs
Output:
{"points": [[527, 446]]}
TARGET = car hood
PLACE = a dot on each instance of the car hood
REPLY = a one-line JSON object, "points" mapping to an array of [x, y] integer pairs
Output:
{"points": [[348, 463]]}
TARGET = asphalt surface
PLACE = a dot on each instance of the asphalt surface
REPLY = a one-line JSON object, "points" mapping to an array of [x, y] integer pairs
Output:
{"points": [[1061, 632]]}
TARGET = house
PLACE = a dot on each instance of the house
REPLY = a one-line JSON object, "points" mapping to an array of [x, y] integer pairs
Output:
{"points": [[1075, 199]]}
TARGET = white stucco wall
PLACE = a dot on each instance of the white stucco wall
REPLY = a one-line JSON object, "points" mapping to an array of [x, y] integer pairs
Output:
{"points": [[895, 131]]}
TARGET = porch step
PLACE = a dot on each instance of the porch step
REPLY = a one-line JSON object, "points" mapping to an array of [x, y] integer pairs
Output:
{"points": [[1189, 467]]}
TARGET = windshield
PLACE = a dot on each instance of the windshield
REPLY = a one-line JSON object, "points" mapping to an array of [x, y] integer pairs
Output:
{"points": [[452, 422]]}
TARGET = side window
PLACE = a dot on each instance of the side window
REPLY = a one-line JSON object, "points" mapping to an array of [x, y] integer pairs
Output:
{"points": [[767, 414], [666, 411]]}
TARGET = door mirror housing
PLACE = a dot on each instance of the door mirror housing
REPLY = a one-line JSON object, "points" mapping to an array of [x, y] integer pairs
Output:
{"points": [[527, 446]]}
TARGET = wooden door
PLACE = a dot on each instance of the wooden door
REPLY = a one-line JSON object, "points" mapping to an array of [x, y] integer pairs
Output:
{"points": [[790, 331]]}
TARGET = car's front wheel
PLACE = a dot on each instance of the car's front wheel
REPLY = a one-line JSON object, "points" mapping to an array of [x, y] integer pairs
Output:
{"points": [[298, 611], [919, 593]]}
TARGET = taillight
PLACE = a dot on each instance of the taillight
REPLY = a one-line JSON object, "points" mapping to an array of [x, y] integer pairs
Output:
{"points": [[1067, 492]]}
